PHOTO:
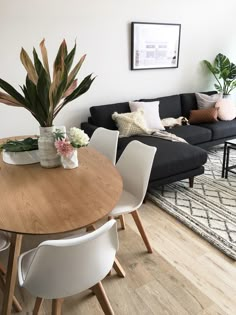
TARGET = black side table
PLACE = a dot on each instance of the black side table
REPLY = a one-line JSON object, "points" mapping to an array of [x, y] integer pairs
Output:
{"points": [[229, 145]]}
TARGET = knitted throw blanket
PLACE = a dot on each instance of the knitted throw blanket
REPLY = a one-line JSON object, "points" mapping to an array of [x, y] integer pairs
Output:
{"points": [[164, 135]]}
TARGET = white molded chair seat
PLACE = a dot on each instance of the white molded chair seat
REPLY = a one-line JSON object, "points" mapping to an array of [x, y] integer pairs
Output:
{"points": [[135, 166], [126, 204], [60, 268], [105, 141]]}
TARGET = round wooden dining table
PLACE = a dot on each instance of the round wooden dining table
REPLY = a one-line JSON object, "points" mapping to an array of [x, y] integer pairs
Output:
{"points": [[38, 201]]}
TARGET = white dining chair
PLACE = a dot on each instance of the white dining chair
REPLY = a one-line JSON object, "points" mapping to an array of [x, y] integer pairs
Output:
{"points": [[135, 166], [4, 244], [105, 141], [57, 269]]}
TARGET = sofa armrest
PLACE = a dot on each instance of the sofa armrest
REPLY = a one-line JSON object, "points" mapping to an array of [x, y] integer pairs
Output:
{"points": [[88, 128]]}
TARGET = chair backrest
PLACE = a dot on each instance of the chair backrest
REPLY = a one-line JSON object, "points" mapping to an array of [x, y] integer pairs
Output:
{"points": [[105, 142], [61, 268], [4, 240], [135, 166]]}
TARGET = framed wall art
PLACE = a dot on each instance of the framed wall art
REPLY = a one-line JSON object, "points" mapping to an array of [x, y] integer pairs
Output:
{"points": [[154, 45]]}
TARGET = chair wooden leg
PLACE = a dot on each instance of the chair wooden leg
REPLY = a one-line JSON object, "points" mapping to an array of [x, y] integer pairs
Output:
{"points": [[57, 306], [37, 305], [14, 253], [118, 268], [16, 304], [2, 269], [122, 221], [90, 228], [103, 299], [138, 222]]}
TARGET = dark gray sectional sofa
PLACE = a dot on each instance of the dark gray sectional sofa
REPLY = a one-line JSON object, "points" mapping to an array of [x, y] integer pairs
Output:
{"points": [[174, 160]]}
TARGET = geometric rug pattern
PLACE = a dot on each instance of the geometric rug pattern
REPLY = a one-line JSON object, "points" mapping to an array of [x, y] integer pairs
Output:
{"points": [[209, 208]]}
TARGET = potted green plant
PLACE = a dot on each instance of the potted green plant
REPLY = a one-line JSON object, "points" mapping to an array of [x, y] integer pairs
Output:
{"points": [[45, 95], [224, 72], [23, 151]]}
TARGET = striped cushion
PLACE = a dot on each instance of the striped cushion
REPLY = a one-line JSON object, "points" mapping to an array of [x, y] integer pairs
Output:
{"points": [[198, 116]]}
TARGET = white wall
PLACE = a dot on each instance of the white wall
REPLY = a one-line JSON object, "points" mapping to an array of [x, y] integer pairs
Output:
{"points": [[102, 30]]}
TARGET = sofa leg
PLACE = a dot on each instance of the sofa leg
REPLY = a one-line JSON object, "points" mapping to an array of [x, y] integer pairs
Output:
{"points": [[191, 181]]}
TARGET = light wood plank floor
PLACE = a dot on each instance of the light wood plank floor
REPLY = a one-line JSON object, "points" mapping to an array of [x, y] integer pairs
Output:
{"points": [[184, 275]]}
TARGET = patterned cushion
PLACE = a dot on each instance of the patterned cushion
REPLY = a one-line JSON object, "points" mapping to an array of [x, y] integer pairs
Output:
{"points": [[198, 116], [207, 101], [130, 124], [226, 109]]}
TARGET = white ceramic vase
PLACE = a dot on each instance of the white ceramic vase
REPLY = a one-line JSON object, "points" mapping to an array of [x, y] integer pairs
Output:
{"points": [[227, 96], [46, 143], [70, 162], [21, 158]]}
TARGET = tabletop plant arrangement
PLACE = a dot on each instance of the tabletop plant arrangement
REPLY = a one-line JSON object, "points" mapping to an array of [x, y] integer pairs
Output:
{"points": [[224, 72], [22, 151], [67, 145], [45, 95]]}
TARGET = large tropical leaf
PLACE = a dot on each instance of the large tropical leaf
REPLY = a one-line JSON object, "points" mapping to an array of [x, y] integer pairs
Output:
{"points": [[33, 102], [81, 89], [12, 91], [45, 57], [69, 59], [29, 67], [221, 62], [43, 84], [75, 71], [70, 89], [9, 100], [232, 71], [210, 67], [61, 55]]}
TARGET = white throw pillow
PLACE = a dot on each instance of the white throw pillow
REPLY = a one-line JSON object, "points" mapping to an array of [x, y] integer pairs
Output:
{"points": [[226, 109], [205, 101], [130, 124], [151, 113]]}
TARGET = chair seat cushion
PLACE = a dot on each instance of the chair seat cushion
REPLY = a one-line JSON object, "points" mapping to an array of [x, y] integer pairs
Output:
{"points": [[172, 158], [127, 203], [192, 134], [221, 129]]}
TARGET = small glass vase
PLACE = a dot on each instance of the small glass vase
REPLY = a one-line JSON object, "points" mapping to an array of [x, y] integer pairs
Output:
{"points": [[70, 162]]}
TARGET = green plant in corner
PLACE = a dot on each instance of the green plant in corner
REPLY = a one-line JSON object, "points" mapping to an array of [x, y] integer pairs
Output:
{"points": [[42, 95], [224, 72]]}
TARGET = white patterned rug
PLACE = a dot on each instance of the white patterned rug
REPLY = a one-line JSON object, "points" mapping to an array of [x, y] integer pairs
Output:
{"points": [[209, 208]]}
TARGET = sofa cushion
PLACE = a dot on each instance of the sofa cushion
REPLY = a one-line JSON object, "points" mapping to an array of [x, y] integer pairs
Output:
{"points": [[192, 134], [170, 106], [189, 102], [226, 109], [221, 129], [172, 158], [130, 124], [101, 115], [205, 101], [151, 113], [208, 115]]}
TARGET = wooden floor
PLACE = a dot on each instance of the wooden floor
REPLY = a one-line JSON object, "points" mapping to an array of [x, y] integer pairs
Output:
{"points": [[184, 275]]}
